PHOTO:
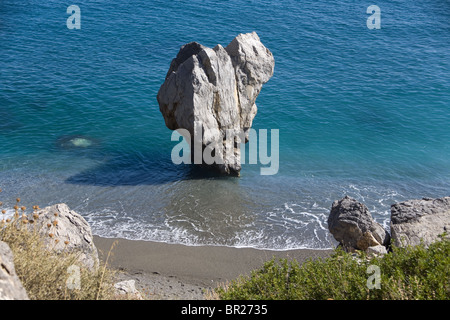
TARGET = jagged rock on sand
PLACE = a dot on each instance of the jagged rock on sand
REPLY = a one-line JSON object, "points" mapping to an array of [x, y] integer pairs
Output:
{"points": [[70, 229], [10, 286]]}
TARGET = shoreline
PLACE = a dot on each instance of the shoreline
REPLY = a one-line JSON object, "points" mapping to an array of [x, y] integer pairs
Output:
{"points": [[177, 271]]}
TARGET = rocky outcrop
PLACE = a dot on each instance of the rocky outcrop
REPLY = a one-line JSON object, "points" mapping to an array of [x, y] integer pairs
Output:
{"points": [[64, 229], [10, 286], [128, 288], [211, 93], [416, 221], [377, 250], [351, 224]]}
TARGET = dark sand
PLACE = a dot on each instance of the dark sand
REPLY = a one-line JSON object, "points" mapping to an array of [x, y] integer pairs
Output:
{"points": [[172, 271]]}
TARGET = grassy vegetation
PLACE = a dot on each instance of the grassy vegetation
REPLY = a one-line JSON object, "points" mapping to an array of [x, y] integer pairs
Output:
{"points": [[45, 273], [407, 273]]}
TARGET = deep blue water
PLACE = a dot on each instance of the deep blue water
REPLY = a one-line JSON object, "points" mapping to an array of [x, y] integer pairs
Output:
{"points": [[360, 112]]}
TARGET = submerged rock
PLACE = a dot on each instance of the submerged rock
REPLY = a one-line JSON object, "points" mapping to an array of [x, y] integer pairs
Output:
{"points": [[213, 92], [416, 221], [351, 223]]}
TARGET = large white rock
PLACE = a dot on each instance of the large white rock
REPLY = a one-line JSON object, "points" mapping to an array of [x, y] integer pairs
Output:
{"points": [[218, 88]]}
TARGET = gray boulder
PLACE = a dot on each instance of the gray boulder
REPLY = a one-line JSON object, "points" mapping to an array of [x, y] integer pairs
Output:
{"points": [[423, 220], [10, 286], [351, 224], [212, 92], [377, 250], [64, 229]]}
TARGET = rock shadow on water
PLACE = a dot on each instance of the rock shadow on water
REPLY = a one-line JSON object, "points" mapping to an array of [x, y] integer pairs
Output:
{"points": [[138, 169]]}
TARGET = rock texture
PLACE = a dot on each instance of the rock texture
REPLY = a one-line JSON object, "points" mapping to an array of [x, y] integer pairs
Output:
{"points": [[10, 286], [71, 231], [351, 223], [216, 88], [424, 220], [128, 288], [377, 250]]}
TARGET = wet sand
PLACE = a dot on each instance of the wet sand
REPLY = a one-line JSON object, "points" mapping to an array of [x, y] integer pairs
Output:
{"points": [[173, 271]]}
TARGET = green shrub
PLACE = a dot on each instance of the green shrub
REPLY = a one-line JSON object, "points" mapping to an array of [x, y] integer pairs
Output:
{"points": [[406, 273]]}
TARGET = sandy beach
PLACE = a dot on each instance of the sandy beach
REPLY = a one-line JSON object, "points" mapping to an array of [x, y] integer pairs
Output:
{"points": [[172, 271]]}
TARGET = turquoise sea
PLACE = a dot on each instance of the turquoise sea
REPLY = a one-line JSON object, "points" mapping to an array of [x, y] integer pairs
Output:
{"points": [[360, 112]]}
